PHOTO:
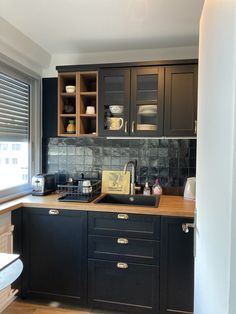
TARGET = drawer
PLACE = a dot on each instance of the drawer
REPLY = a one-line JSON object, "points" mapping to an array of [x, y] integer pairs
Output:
{"points": [[124, 225], [127, 249], [125, 287]]}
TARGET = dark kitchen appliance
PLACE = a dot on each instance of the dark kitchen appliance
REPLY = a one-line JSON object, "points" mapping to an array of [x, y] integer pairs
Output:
{"points": [[76, 191], [43, 184]]}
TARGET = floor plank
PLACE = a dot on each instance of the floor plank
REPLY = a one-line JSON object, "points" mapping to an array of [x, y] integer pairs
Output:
{"points": [[36, 307]]}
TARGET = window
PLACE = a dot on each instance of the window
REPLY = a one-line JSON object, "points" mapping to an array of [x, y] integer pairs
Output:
{"points": [[19, 142]]}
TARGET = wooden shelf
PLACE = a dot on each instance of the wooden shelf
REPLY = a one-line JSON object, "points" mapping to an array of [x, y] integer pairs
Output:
{"points": [[86, 95], [68, 115], [64, 94], [88, 115]]}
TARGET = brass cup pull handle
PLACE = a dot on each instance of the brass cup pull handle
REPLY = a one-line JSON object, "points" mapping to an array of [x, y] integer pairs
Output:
{"points": [[133, 125], [126, 126], [195, 127], [122, 241], [123, 216], [122, 265], [54, 212]]}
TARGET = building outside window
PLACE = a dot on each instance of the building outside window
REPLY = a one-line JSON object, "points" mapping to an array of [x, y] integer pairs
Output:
{"points": [[16, 146]]}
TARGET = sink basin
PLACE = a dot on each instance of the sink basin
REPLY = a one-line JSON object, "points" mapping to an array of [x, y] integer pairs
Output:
{"points": [[133, 200]]}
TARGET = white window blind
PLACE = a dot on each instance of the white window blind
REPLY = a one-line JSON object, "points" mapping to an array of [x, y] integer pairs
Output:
{"points": [[14, 109]]}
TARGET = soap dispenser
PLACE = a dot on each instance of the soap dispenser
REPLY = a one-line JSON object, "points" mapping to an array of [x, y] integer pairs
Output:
{"points": [[146, 190]]}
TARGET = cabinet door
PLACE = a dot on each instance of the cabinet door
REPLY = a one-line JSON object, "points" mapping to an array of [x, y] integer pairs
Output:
{"points": [[180, 100], [55, 254], [147, 92], [124, 287], [177, 266], [114, 99]]}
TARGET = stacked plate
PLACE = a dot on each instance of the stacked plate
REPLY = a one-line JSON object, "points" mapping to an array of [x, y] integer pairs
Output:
{"points": [[146, 127], [147, 110]]}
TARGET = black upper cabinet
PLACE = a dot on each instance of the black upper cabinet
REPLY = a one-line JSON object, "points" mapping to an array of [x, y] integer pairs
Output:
{"points": [[55, 254], [177, 266], [114, 89], [138, 96], [147, 92], [49, 87], [180, 100], [153, 101]]}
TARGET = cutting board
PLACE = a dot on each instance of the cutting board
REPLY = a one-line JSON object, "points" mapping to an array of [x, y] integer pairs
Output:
{"points": [[115, 182]]}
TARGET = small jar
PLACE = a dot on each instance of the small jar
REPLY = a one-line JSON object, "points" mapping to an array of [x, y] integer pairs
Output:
{"points": [[70, 127]]}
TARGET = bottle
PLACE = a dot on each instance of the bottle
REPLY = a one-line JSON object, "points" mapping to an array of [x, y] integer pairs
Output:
{"points": [[157, 189], [146, 190], [71, 127]]}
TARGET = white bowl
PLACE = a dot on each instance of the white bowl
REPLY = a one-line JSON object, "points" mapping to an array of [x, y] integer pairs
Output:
{"points": [[117, 109], [70, 89]]}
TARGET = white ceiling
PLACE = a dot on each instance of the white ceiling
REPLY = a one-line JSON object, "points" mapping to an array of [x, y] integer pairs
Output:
{"points": [[79, 26]]}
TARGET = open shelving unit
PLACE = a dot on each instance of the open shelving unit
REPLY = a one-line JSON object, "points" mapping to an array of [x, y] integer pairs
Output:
{"points": [[86, 94]]}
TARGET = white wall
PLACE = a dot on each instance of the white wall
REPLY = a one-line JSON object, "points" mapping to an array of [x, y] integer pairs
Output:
{"points": [[215, 147], [18, 49], [173, 53]]}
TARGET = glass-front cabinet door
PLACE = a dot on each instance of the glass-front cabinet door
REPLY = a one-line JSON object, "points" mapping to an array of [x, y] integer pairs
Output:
{"points": [[147, 87], [114, 102]]}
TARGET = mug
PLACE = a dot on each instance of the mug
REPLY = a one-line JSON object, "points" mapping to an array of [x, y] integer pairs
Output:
{"points": [[115, 123], [86, 187], [90, 110]]}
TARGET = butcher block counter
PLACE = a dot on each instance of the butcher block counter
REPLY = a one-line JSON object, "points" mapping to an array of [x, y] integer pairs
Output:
{"points": [[175, 206]]}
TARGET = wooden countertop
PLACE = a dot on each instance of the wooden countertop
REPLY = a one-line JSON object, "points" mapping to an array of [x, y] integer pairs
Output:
{"points": [[169, 205]]}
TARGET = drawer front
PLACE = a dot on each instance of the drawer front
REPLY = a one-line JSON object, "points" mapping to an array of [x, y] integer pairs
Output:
{"points": [[122, 224], [127, 249], [125, 287]]}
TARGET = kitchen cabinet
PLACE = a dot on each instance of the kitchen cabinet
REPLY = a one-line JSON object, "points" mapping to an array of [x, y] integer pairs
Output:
{"points": [[123, 263], [137, 93], [49, 103], [77, 110], [133, 263], [180, 100], [177, 267], [55, 254]]}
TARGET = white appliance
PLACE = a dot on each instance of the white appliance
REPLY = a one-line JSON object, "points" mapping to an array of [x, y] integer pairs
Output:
{"points": [[190, 189]]}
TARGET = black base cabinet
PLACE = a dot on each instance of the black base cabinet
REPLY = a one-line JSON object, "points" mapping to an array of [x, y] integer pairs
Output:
{"points": [[133, 289], [141, 264], [177, 267], [55, 250], [124, 259]]}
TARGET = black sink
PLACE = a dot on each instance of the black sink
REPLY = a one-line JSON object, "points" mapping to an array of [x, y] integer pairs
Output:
{"points": [[133, 200]]}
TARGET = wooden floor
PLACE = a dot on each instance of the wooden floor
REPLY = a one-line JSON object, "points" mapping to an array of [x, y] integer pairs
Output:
{"points": [[31, 307]]}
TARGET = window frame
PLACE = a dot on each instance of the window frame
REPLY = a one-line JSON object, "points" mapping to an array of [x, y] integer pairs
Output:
{"points": [[35, 130]]}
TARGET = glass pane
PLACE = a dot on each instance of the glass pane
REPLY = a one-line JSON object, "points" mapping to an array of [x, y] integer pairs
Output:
{"points": [[114, 103], [114, 83], [13, 164], [147, 117], [147, 86], [114, 90]]}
